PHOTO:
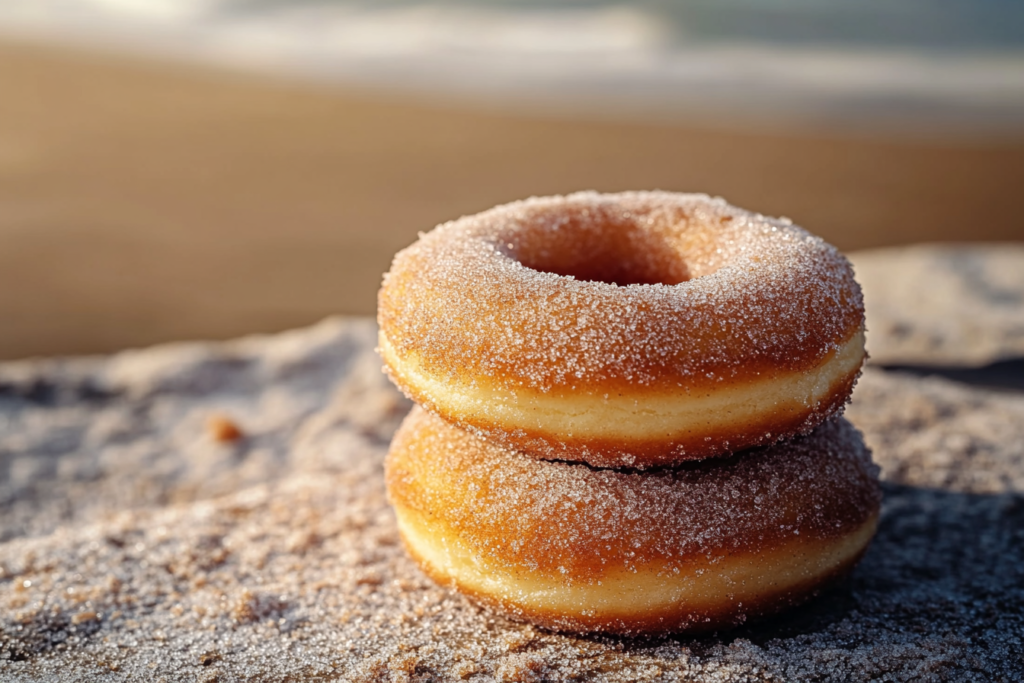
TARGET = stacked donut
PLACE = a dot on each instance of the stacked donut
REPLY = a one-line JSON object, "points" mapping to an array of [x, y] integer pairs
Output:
{"points": [[628, 413]]}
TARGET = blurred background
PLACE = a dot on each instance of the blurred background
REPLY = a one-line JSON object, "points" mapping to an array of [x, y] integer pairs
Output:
{"points": [[177, 169]]}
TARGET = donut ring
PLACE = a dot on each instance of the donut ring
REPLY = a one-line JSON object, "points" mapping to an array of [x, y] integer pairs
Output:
{"points": [[703, 546], [629, 330]]}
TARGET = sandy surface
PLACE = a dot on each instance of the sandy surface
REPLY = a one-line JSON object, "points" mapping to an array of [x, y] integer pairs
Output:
{"points": [[142, 202], [943, 305], [142, 540]]}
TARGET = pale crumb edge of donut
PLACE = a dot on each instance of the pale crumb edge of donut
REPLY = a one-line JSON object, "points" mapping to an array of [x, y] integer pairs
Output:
{"points": [[720, 593], [616, 430]]}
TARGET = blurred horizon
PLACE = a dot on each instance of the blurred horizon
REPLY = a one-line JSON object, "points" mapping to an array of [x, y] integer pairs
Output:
{"points": [[951, 67], [187, 169]]}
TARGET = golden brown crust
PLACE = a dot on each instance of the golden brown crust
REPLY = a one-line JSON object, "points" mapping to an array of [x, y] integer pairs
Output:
{"points": [[676, 618], [551, 528], [520, 299], [733, 430], [722, 440]]}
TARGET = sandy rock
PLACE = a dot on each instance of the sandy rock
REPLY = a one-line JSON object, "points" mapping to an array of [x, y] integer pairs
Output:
{"points": [[217, 512], [943, 304], [932, 433], [80, 438]]}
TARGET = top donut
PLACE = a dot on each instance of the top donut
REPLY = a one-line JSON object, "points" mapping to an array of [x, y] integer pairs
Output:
{"points": [[623, 330]]}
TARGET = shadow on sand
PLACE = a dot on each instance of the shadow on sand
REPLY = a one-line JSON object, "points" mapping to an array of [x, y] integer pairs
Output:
{"points": [[945, 574]]}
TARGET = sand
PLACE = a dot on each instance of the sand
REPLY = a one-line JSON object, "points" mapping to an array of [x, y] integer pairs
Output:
{"points": [[943, 305], [143, 201], [143, 541]]}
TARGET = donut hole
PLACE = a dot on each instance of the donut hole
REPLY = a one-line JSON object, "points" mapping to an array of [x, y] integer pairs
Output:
{"points": [[614, 250]]}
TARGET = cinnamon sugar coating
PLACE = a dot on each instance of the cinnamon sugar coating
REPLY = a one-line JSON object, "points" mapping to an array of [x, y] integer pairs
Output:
{"points": [[593, 292], [571, 526]]}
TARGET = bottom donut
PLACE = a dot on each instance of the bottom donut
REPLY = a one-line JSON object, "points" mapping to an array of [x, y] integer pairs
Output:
{"points": [[701, 546]]}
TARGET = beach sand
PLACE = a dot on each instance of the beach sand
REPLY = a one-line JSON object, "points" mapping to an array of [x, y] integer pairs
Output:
{"points": [[139, 542], [143, 201]]}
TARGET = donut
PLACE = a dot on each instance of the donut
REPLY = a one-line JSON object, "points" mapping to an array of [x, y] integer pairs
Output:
{"points": [[702, 546], [625, 330]]}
